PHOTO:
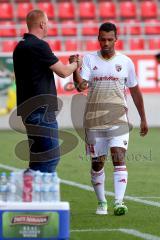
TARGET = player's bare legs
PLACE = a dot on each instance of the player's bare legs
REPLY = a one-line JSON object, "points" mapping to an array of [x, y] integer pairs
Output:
{"points": [[120, 178], [98, 181]]}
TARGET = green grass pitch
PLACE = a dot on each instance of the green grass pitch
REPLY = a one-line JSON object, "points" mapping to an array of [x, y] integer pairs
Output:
{"points": [[143, 163]]}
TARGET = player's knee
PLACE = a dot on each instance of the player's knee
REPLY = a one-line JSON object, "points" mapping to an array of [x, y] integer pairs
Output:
{"points": [[98, 163], [118, 156]]}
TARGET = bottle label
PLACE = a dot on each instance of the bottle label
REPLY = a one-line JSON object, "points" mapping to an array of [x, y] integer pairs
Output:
{"points": [[27, 188]]}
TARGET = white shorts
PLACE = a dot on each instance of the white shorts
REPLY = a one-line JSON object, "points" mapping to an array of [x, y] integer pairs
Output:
{"points": [[98, 142]]}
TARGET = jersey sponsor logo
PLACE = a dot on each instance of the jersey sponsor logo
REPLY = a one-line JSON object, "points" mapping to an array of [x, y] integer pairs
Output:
{"points": [[95, 68], [125, 142], [105, 78], [118, 67]]}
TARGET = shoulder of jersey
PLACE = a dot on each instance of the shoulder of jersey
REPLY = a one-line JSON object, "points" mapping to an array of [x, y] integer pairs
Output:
{"points": [[91, 54], [119, 54]]}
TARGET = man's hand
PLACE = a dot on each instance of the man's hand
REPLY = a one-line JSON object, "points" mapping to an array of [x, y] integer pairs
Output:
{"points": [[77, 59], [143, 128]]}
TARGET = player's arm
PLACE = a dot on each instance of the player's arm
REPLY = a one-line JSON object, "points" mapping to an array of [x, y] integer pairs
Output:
{"points": [[63, 70], [80, 83], [138, 101]]}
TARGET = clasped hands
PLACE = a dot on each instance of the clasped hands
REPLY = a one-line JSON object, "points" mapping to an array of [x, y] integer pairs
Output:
{"points": [[76, 58]]}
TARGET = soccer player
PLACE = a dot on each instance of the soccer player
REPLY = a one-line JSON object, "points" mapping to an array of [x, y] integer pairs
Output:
{"points": [[106, 73]]}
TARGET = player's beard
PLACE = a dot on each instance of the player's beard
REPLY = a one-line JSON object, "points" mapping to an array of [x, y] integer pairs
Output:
{"points": [[108, 51], [105, 51]]}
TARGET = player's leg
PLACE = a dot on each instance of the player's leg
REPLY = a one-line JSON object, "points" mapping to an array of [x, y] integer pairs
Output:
{"points": [[98, 182], [97, 150], [120, 175]]}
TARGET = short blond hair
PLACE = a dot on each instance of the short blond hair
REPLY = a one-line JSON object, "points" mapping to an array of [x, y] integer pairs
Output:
{"points": [[34, 17]]}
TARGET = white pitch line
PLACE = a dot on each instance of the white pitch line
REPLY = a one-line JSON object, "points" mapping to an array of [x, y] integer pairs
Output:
{"points": [[148, 197], [132, 232], [96, 230], [146, 202], [89, 188], [136, 233], [9, 167]]}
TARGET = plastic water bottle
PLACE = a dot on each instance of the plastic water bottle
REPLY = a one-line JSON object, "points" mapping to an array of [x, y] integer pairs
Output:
{"points": [[19, 185], [37, 187], [55, 188], [46, 187], [3, 187], [12, 188], [27, 186]]}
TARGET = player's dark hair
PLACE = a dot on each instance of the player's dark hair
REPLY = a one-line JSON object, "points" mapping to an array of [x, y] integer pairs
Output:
{"points": [[107, 27]]}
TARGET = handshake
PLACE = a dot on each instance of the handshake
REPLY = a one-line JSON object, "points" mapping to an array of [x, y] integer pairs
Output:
{"points": [[76, 58]]}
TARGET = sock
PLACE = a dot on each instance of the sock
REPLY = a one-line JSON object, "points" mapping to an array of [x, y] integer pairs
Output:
{"points": [[98, 179], [120, 182]]}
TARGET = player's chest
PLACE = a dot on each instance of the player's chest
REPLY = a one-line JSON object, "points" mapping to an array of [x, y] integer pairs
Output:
{"points": [[110, 69]]}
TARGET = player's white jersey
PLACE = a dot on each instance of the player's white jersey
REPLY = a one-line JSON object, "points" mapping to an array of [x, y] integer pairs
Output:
{"points": [[108, 79]]}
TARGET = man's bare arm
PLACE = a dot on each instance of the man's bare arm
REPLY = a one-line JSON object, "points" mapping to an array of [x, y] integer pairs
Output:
{"points": [[63, 70], [138, 101], [80, 84]]}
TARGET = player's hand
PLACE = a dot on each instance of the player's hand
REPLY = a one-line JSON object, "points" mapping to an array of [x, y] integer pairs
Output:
{"points": [[76, 58], [73, 58], [143, 128], [83, 85]]}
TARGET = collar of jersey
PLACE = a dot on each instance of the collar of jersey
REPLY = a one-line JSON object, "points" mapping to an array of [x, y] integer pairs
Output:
{"points": [[107, 60]]}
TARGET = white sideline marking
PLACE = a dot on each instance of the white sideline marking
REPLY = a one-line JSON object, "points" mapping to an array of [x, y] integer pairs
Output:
{"points": [[148, 197], [134, 199], [9, 167], [132, 232], [136, 233], [89, 188]]}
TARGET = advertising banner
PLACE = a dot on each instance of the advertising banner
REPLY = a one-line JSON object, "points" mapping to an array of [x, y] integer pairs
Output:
{"points": [[30, 225], [147, 69]]}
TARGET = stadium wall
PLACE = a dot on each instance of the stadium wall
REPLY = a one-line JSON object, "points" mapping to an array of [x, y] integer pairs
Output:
{"points": [[148, 73]]}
